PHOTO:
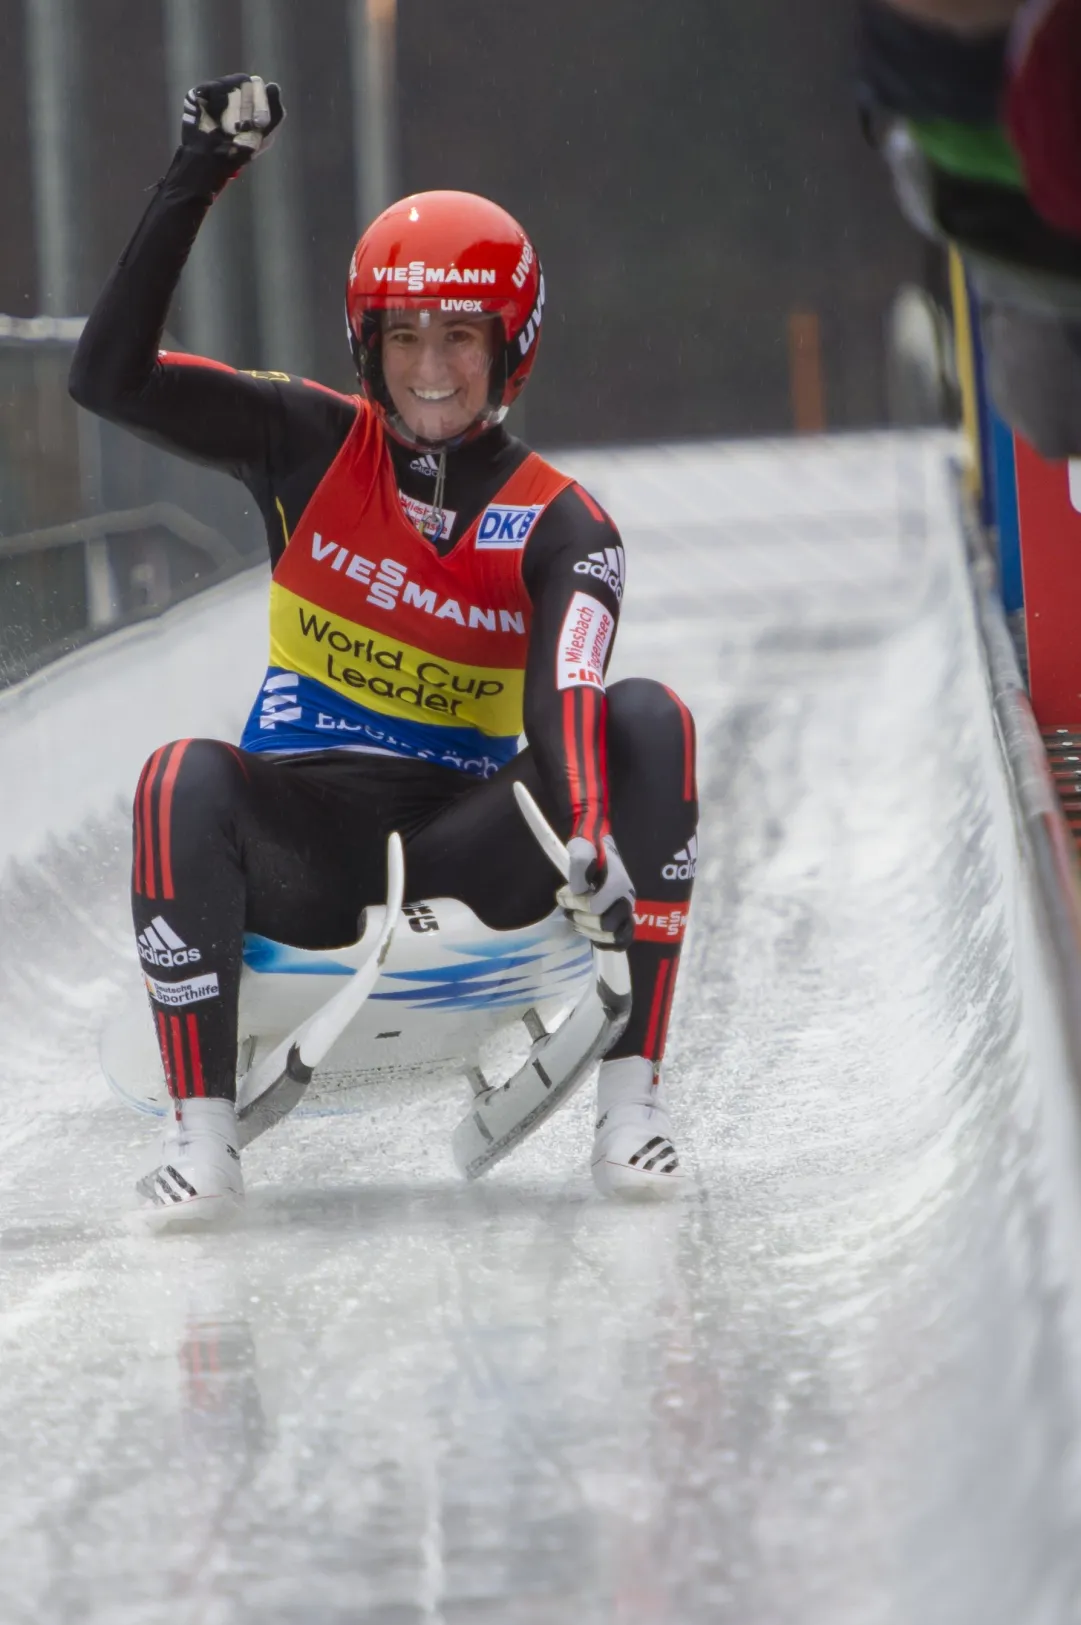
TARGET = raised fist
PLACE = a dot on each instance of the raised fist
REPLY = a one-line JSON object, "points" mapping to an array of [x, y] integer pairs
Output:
{"points": [[234, 117]]}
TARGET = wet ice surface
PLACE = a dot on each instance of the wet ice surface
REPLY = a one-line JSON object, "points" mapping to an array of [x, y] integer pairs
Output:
{"points": [[833, 1386]]}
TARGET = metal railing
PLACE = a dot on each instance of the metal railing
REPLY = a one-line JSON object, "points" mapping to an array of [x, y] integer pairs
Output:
{"points": [[97, 529], [130, 568]]}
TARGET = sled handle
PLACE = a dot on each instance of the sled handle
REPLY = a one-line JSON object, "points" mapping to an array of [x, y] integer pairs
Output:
{"points": [[545, 835], [321, 1030], [279, 1080]]}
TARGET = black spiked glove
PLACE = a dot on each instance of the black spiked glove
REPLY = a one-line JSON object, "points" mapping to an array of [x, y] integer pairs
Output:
{"points": [[234, 117], [598, 897]]}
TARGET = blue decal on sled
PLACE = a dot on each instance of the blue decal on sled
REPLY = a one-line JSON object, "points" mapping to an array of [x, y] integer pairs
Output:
{"points": [[264, 955]]}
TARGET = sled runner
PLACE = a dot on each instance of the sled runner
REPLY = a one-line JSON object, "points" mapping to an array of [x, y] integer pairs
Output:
{"points": [[425, 991]]}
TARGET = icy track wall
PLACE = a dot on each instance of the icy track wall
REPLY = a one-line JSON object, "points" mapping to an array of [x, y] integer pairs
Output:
{"points": [[838, 1385]]}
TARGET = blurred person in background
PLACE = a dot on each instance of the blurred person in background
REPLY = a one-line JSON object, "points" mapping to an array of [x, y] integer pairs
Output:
{"points": [[976, 106], [438, 589]]}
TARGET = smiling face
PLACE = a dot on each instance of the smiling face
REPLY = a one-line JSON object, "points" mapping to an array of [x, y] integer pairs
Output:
{"points": [[437, 370]]}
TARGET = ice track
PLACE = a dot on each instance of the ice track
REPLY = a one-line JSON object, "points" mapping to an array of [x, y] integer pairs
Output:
{"points": [[837, 1386]]}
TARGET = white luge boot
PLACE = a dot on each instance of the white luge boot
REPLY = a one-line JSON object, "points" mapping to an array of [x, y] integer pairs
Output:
{"points": [[633, 1153], [198, 1177]]}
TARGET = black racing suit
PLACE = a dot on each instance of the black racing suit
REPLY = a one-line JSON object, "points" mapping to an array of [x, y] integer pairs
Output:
{"points": [[292, 847]]}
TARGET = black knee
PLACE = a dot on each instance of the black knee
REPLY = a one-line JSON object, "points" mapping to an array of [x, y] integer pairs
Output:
{"points": [[638, 701], [188, 789], [650, 730], [653, 795], [196, 778]]}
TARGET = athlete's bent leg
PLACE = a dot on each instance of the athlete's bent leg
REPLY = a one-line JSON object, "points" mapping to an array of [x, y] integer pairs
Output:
{"points": [[188, 903], [226, 841], [654, 817], [479, 850]]}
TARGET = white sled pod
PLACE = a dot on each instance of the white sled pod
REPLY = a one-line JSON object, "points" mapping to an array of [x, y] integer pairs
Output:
{"points": [[423, 988], [447, 987]]}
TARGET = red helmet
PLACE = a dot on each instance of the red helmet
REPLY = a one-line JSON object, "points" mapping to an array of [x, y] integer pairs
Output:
{"points": [[446, 251]]}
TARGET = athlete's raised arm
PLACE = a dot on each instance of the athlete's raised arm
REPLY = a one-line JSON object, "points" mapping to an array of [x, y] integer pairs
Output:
{"points": [[198, 407]]}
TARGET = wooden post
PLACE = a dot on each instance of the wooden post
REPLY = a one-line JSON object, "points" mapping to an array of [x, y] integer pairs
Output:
{"points": [[805, 372], [965, 356]]}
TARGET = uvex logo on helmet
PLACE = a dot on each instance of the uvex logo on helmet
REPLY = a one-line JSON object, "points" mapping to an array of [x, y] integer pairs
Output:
{"points": [[520, 274], [422, 251], [532, 327]]}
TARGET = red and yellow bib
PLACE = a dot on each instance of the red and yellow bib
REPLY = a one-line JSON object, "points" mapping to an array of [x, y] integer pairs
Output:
{"points": [[377, 642]]}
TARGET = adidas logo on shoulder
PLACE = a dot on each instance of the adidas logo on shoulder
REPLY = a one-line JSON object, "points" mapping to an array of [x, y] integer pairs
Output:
{"points": [[684, 863], [425, 465], [609, 566], [160, 945]]}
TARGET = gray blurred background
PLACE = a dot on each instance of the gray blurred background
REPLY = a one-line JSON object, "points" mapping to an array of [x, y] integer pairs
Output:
{"points": [[721, 250]]}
